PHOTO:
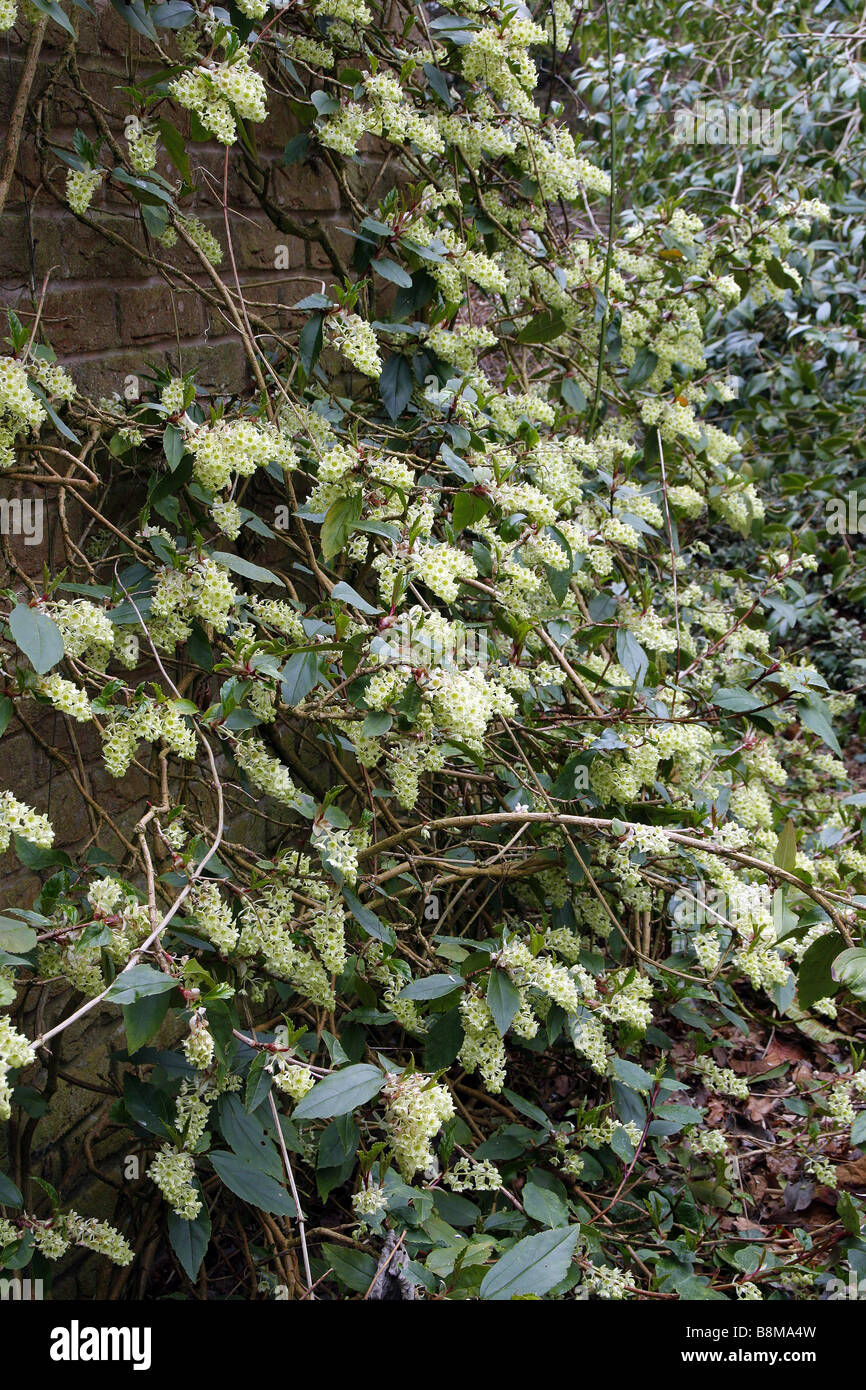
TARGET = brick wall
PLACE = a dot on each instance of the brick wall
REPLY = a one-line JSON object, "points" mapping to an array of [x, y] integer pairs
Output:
{"points": [[103, 313]]}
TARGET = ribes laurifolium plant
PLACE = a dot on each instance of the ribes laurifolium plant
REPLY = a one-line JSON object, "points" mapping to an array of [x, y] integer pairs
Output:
{"points": [[487, 818]]}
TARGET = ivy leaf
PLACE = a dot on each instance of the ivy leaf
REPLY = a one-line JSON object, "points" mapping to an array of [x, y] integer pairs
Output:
{"points": [[37, 636]]}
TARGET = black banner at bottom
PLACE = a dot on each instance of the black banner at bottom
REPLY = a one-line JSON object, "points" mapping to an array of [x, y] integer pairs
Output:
{"points": [[182, 1336]]}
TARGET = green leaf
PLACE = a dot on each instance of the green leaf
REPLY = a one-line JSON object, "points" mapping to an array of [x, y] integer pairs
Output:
{"points": [[390, 270], [173, 445], [542, 329], [310, 342], [443, 1040], [190, 1239], [395, 385], [376, 724], [367, 919], [339, 1093], [469, 507], [573, 395], [175, 148], [632, 1074], [642, 368], [786, 847], [355, 1269], [503, 1000], [50, 7], [780, 275], [137, 18], [535, 1265], [259, 1082], [339, 523], [432, 987], [246, 568], [253, 1186], [346, 594], [849, 1213], [818, 722], [143, 1019], [35, 857], [10, 1196], [248, 1137], [300, 675], [544, 1199], [16, 937], [37, 637], [737, 700], [815, 974], [138, 982], [439, 82], [849, 969], [631, 655]]}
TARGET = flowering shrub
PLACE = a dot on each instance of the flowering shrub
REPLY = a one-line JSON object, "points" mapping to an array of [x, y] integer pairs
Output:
{"points": [[404, 915]]}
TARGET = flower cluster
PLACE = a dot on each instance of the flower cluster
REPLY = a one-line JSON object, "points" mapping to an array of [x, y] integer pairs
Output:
{"points": [[415, 1110], [222, 93]]}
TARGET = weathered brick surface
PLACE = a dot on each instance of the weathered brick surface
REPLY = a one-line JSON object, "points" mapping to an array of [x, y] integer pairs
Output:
{"points": [[102, 302]]}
